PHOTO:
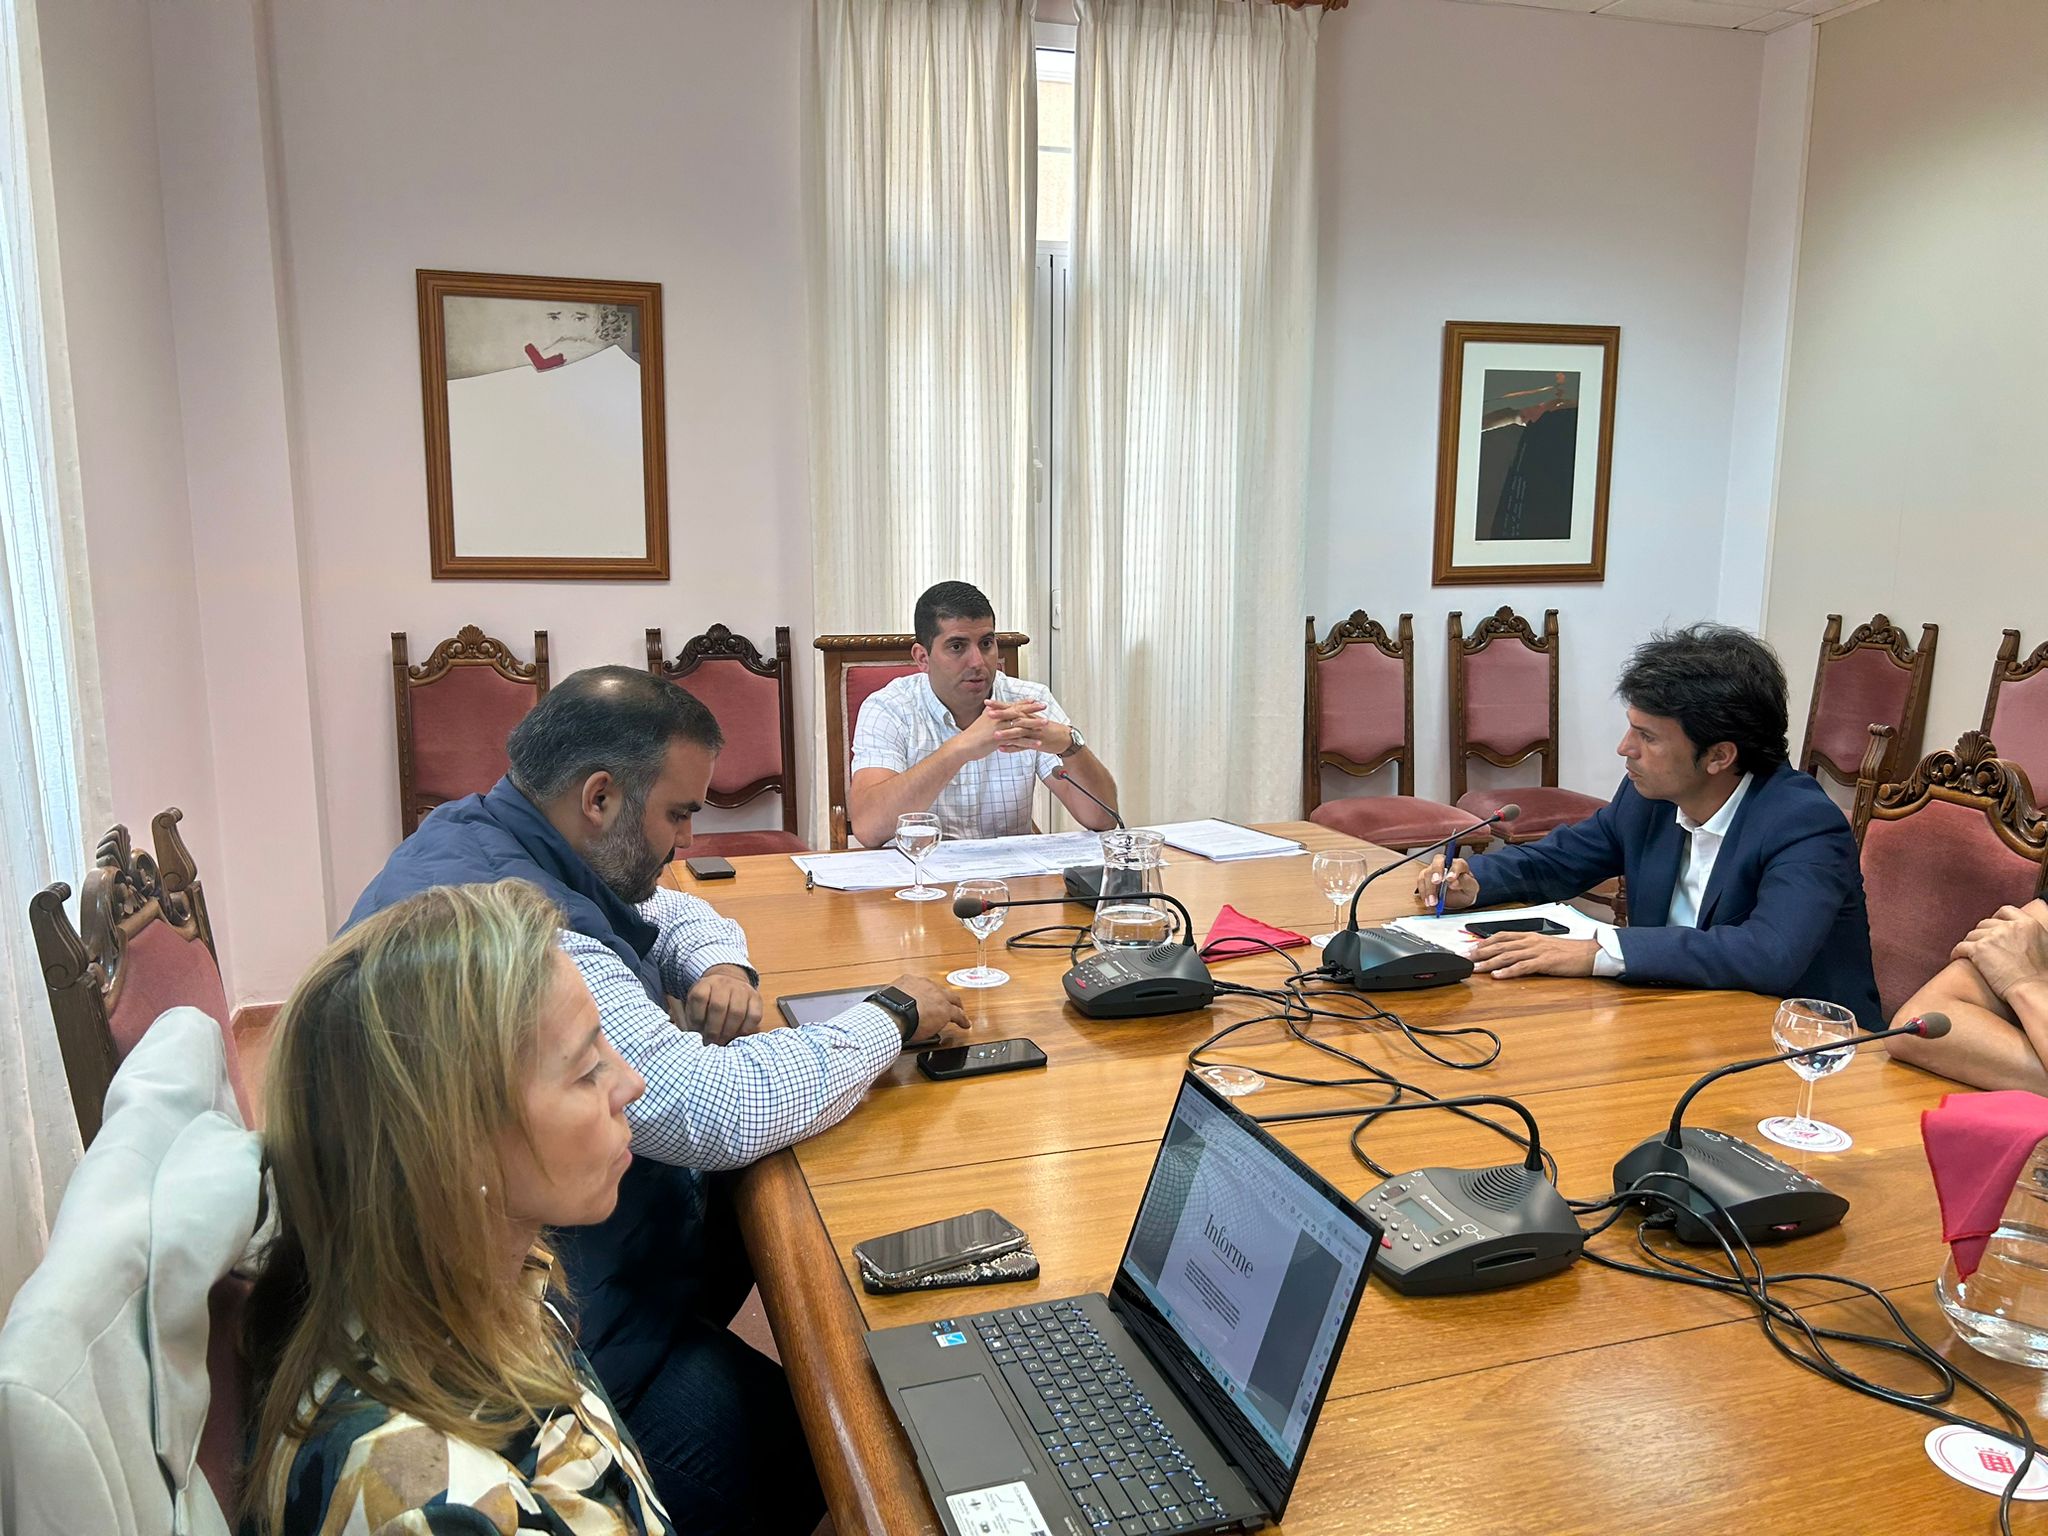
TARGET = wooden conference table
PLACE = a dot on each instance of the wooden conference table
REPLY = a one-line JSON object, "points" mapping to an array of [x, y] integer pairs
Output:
{"points": [[1589, 1401]]}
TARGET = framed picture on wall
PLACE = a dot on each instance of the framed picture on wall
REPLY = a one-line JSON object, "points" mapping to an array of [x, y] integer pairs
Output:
{"points": [[543, 407], [1523, 448]]}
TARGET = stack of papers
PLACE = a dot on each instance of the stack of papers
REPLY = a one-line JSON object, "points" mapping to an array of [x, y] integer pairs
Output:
{"points": [[1225, 841], [1449, 931], [985, 858]]}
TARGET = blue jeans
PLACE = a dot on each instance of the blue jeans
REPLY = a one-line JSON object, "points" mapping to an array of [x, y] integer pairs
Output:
{"points": [[713, 1416]]}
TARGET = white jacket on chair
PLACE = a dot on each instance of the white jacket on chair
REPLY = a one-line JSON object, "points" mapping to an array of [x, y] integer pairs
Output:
{"points": [[103, 1383]]}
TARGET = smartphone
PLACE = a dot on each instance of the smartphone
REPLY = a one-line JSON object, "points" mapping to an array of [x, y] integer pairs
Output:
{"points": [[1486, 930], [709, 868], [948, 1062], [971, 1239]]}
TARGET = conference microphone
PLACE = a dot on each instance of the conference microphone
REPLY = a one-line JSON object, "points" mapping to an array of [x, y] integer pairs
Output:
{"points": [[1085, 881], [1124, 984], [1067, 778], [1380, 959], [1723, 1185]]}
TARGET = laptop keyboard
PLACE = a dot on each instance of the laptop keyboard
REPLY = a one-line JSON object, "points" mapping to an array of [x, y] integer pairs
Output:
{"points": [[1123, 1466]]}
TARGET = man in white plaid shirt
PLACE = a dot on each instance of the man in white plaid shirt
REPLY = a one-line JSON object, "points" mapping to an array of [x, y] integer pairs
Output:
{"points": [[961, 740], [607, 771]]}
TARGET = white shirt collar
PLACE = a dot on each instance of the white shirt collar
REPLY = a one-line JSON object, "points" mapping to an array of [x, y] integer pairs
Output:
{"points": [[1717, 825]]}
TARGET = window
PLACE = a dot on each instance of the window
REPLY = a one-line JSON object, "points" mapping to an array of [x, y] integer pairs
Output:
{"points": [[1055, 68]]}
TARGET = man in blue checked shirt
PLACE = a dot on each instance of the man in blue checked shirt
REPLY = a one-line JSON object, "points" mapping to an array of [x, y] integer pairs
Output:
{"points": [[607, 771]]}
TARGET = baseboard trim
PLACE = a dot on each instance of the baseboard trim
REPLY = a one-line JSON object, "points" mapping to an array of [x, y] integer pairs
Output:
{"points": [[253, 1018]]}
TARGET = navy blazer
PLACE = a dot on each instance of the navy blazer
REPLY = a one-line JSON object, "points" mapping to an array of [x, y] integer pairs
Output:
{"points": [[1783, 913]]}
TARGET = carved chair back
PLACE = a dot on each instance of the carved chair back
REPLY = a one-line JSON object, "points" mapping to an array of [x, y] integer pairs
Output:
{"points": [[455, 710], [1358, 713], [1875, 677], [751, 698], [143, 944], [2016, 709], [855, 667], [1503, 693], [1958, 838]]}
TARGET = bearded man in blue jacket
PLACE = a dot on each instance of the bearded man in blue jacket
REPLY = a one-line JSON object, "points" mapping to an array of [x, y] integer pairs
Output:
{"points": [[1741, 872]]}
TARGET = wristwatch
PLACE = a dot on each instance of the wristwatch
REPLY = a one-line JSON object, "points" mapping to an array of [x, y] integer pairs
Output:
{"points": [[1075, 745], [895, 1001]]}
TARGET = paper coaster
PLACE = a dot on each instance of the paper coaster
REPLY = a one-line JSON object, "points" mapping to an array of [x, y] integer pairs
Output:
{"points": [[994, 978], [912, 893], [1321, 940], [1805, 1136], [1985, 1462]]}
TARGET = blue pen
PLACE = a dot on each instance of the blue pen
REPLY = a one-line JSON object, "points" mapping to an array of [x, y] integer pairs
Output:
{"points": [[1443, 883]]}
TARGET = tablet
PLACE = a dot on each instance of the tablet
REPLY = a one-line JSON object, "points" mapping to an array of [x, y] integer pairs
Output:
{"points": [[813, 1007]]}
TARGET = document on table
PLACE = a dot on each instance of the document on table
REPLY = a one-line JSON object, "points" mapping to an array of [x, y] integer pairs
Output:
{"points": [[981, 858], [1450, 931], [1225, 842]]}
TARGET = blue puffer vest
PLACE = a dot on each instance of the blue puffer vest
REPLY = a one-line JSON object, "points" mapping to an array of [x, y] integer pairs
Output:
{"points": [[623, 1274]]}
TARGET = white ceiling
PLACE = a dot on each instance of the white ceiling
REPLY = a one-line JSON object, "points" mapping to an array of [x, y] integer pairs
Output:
{"points": [[1736, 15]]}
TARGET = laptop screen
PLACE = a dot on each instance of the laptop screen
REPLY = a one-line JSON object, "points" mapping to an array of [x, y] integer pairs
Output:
{"points": [[1254, 1262]]}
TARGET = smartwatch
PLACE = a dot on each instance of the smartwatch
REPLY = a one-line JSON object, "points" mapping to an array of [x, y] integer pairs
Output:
{"points": [[899, 1004], [1075, 745]]}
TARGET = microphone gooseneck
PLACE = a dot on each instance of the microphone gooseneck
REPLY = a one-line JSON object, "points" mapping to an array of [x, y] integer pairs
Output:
{"points": [[1503, 817], [1067, 778], [1930, 1026]]}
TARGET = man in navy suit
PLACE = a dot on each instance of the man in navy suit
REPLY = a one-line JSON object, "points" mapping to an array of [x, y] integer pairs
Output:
{"points": [[1742, 873]]}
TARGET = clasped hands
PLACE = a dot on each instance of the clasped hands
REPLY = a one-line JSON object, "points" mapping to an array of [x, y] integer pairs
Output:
{"points": [[1018, 726], [2008, 948], [1505, 955]]}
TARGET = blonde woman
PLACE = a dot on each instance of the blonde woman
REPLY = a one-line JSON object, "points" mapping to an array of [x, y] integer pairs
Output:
{"points": [[439, 1095]]}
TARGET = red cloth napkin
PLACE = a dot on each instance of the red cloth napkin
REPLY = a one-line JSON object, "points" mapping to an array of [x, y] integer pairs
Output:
{"points": [[1976, 1145], [1233, 936]]}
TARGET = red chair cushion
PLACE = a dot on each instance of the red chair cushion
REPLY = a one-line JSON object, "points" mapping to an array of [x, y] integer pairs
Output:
{"points": [[1507, 698], [161, 969], [1393, 821], [1361, 699], [748, 708], [2020, 729], [737, 845], [1929, 878], [459, 725], [1544, 809], [1859, 690]]}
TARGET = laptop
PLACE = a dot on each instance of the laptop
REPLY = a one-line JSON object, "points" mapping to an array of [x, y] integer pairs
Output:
{"points": [[1181, 1401]]}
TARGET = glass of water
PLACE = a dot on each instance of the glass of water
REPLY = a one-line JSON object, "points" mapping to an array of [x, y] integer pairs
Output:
{"points": [[989, 894], [1802, 1022], [917, 834], [1339, 875]]}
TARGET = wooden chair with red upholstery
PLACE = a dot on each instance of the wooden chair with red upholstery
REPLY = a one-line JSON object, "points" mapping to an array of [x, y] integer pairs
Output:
{"points": [[455, 710], [2016, 709], [1504, 711], [750, 697], [1358, 716], [1953, 842], [855, 667], [143, 945], [1875, 677]]}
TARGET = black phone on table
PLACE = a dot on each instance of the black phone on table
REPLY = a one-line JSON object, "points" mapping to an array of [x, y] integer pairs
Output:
{"points": [[898, 1257], [707, 867], [1486, 930], [948, 1062]]}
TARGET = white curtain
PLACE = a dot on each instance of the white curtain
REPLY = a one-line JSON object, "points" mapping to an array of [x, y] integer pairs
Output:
{"points": [[52, 747], [1193, 307], [921, 145]]}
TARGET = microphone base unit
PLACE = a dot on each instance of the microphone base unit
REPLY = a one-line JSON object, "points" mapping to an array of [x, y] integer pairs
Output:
{"points": [[1767, 1201], [1141, 984], [1387, 960], [1085, 883], [1450, 1231]]}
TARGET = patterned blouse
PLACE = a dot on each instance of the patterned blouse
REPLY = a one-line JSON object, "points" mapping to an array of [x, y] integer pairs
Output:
{"points": [[369, 1471]]}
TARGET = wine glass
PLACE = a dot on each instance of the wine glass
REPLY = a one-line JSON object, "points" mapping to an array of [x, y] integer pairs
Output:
{"points": [[1803, 1022], [917, 834], [1340, 875], [990, 894]]}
